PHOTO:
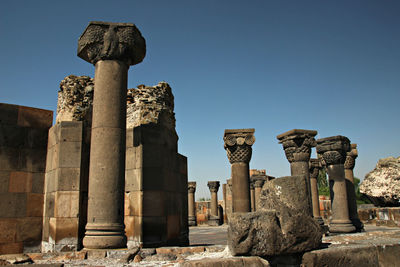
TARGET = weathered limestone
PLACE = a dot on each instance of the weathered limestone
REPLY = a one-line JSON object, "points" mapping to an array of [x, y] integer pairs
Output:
{"points": [[315, 166], [279, 226], [192, 204], [214, 218], [112, 48], [237, 143], [333, 152], [351, 194], [252, 196], [297, 145]]}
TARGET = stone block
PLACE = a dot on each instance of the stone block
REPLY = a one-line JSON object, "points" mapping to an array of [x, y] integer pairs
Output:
{"points": [[133, 180], [53, 136], [4, 181], [33, 160], [8, 230], [133, 228], [34, 117], [64, 230], [153, 178], [154, 230], [12, 205], [49, 159], [36, 138], [68, 179], [8, 114], [46, 229], [49, 205], [66, 204], [50, 182], [227, 262], [154, 155], [129, 137], [173, 227], [29, 229], [11, 248], [20, 182], [131, 158], [69, 155], [12, 136], [71, 131], [34, 205], [154, 203], [133, 203], [38, 182], [9, 158]]}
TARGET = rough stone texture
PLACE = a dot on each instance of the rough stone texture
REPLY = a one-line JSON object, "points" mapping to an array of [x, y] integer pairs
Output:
{"points": [[280, 225], [228, 262], [382, 184], [23, 141], [75, 99]]}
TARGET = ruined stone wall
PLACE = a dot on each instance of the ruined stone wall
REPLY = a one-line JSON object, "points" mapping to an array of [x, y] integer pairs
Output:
{"points": [[23, 141]]}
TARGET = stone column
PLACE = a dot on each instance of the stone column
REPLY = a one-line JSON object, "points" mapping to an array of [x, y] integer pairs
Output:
{"points": [[297, 145], [351, 194], [252, 196], [214, 219], [333, 151], [258, 184], [237, 144], [192, 203], [112, 48], [315, 166]]}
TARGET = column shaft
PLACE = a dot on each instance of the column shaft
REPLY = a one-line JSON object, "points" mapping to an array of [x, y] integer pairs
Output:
{"points": [[302, 168], [351, 200], [214, 204], [240, 187], [253, 199]]}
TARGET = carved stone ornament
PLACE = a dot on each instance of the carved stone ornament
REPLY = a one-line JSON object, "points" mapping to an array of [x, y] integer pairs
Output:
{"points": [[237, 143], [351, 157], [333, 149], [112, 41], [297, 144], [191, 187], [315, 166], [213, 186]]}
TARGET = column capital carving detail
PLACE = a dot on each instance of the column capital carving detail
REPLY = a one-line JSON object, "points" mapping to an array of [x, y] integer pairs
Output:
{"points": [[297, 144], [237, 143], [351, 157], [314, 167], [112, 41], [213, 186], [191, 187], [333, 150]]}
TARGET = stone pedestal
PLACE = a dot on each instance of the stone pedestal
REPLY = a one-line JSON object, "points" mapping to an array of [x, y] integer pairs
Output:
{"points": [[214, 218], [333, 152], [192, 204], [112, 48], [315, 166], [297, 145], [351, 194], [258, 184], [252, 195], [237, 143]]}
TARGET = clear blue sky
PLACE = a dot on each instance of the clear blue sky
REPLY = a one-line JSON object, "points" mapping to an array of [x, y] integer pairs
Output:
{"points": [[330, 66]]}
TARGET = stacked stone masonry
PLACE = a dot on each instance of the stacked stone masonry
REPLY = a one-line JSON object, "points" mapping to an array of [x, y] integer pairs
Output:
{"points": [[23, 140]]}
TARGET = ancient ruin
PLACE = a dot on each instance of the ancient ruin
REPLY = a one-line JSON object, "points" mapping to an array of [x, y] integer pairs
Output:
{"points": [[214, 218], [191, 204], [315, 166]]}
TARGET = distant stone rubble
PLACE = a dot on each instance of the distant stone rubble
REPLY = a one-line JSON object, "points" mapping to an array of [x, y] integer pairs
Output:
{"points": [[382, 184]]}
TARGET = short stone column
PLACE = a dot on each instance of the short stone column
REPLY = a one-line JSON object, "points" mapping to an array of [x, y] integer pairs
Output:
{"points": [[252, 196], [315, 166], [351, 193], [237, 143], [214, 218], [112, 48], [333, 152], [192, 204], [258, 184], [297, 145]]}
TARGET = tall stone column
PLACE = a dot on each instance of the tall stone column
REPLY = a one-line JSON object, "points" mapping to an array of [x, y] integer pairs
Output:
{"points": [[237, 143], [252, 196], [112, 48], [333, 152], [214, 219], [258, 184], [351, 194], [297, 145], [315, 166], [192, 203]]}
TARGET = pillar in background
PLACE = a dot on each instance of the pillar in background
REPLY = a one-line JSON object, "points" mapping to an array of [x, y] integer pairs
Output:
{"points": [[192, 204], [315, 166], [297, 144], [333, 151], [214, 219], [224, 192], [351, 194], [258, 184], [112, 48], [252, 196], [237, 143]]}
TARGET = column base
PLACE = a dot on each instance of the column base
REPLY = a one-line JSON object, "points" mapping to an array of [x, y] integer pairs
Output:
{"points": [[341, 227], [213, 221], [358, 225], [102, 236], [192, 221]]}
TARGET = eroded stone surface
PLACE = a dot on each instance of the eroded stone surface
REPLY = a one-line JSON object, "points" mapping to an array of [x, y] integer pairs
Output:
{"points": [[382, 184]]}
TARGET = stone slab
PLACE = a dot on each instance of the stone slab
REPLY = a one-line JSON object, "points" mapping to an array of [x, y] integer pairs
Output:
{"points": [[227, 262]]}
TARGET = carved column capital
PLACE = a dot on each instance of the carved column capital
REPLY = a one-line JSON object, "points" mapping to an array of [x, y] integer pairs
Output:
{"points": [[297, 144], [315, 166], [112, 41], [237, 143], [351, 157], [213, 186], [333, 150], [191, 187]]}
